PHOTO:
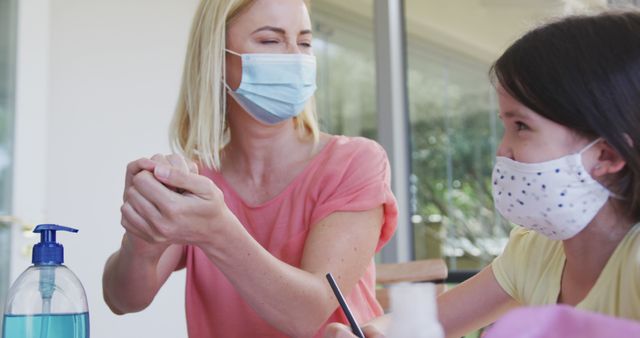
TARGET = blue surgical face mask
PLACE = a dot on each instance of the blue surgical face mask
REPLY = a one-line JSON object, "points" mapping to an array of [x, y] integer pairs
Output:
{"points": [[275, 87]]}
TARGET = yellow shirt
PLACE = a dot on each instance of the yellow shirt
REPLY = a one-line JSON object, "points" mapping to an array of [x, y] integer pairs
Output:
{"points": [[530, 270]]}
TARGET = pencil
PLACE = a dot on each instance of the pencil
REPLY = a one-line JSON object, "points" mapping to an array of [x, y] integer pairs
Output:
{"points": [[355, 328]]}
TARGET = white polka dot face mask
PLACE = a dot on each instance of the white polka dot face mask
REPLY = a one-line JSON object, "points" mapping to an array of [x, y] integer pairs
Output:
{"points": [[557, 198]]}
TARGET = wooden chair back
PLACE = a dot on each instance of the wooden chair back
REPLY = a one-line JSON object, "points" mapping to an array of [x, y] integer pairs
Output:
{"points": [[425, 270]]}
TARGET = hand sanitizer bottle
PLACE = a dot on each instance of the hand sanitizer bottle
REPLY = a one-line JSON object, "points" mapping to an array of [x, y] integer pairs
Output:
{"points": [[414, 311], [47, 300]]}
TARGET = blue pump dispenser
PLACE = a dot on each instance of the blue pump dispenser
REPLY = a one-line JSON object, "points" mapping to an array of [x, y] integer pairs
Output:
{"points": [[47, 300]]}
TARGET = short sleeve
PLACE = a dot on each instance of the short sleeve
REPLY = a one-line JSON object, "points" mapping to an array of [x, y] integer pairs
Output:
{"points": [[358, 179], [508, 265]]}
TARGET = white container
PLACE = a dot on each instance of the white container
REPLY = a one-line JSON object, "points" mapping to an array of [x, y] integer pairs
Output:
{"points": [[414, 311]]}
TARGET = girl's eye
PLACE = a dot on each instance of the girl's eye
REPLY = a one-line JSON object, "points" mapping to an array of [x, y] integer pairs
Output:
{"points": [[521, 126], [269, 42], [305, 44]]}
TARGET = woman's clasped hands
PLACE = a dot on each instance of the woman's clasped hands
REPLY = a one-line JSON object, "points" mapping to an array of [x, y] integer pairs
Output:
{"points": [[167, 202]]}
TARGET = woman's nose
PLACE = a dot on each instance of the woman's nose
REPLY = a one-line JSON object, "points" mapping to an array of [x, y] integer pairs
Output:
{"points": [[293, 48]]}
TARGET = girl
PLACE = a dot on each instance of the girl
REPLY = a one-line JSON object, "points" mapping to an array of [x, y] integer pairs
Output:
{"points": [[567, 171]]}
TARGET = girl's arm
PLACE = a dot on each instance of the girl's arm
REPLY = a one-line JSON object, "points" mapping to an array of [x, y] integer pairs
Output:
{"points": [[469, 306], [474, 304]]}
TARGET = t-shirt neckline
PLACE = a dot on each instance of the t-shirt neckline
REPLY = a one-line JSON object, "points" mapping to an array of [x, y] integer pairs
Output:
{"points": [[289, 187], [604, 274]]}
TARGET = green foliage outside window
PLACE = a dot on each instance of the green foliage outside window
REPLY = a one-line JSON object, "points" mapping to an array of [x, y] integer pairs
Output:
{"points": [[452, 160], [454, 132]]}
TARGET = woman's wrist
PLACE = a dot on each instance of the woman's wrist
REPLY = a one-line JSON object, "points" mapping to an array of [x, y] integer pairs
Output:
{"points": [[226, 235], [133, 246]]}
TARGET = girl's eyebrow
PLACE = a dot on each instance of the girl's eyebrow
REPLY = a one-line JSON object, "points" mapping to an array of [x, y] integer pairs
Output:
{"points": [[514, 114]]}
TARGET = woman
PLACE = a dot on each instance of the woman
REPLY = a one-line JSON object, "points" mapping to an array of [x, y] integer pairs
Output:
{"points": [[276, 204], [567, 171]]}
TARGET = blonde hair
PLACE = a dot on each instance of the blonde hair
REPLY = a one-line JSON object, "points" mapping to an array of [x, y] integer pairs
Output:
{"points": [[198, 129]]}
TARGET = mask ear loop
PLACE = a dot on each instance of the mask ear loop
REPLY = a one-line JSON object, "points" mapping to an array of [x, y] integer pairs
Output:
{"points": [[224, 80], [232, 52], [587, 148], [611, 194], [226, 85], [590, 145]]}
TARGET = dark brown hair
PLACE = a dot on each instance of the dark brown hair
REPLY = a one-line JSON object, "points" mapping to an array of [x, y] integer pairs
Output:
{"points": [[583, 72]]}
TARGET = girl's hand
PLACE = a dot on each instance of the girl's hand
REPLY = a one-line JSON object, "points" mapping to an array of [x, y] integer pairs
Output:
{"points": [[337, 330]]}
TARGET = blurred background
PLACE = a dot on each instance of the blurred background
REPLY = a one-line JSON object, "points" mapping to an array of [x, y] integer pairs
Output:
{"points": [[87, 86]]}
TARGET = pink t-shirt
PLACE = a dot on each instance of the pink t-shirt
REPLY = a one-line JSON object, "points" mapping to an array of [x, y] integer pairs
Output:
{"points": [[349, 174]]}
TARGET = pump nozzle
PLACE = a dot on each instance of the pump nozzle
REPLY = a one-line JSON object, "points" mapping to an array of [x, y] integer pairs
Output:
{"points": [[48, 251]]}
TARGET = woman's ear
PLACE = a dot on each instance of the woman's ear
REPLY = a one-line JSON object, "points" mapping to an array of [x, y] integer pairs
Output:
{"points": [[609, 161]]}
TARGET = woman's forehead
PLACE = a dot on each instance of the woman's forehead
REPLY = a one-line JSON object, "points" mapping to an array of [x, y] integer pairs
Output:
{"points": [[289, 15]]}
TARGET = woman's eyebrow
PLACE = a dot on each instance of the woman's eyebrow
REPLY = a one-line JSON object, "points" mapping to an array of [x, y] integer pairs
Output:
{"points": [[279, 30], [270, 28]]}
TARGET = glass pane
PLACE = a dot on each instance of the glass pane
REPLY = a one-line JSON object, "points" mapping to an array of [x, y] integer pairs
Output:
{"points": [[454, 125], [8, 14], [344, 46]]}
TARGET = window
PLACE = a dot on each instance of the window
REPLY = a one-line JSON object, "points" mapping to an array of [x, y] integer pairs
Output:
{"points": [[454, 125], [8, 14], [454, 130], [344, 47]]}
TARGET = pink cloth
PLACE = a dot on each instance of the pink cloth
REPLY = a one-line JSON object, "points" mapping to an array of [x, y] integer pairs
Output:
{"points": [[561, 321], [349, 174]]}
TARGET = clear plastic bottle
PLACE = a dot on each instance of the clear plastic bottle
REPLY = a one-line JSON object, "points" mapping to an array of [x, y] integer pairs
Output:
{"points": [[47, 300], [414, 311]]}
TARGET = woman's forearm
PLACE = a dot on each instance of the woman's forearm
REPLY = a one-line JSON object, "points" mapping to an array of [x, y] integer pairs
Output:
{"points": [[130, 279], [295, 301]]}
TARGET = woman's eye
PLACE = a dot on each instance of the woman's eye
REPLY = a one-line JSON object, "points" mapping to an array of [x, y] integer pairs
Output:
{"points": [[269, 42], [521, 126], [305, 44]]}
